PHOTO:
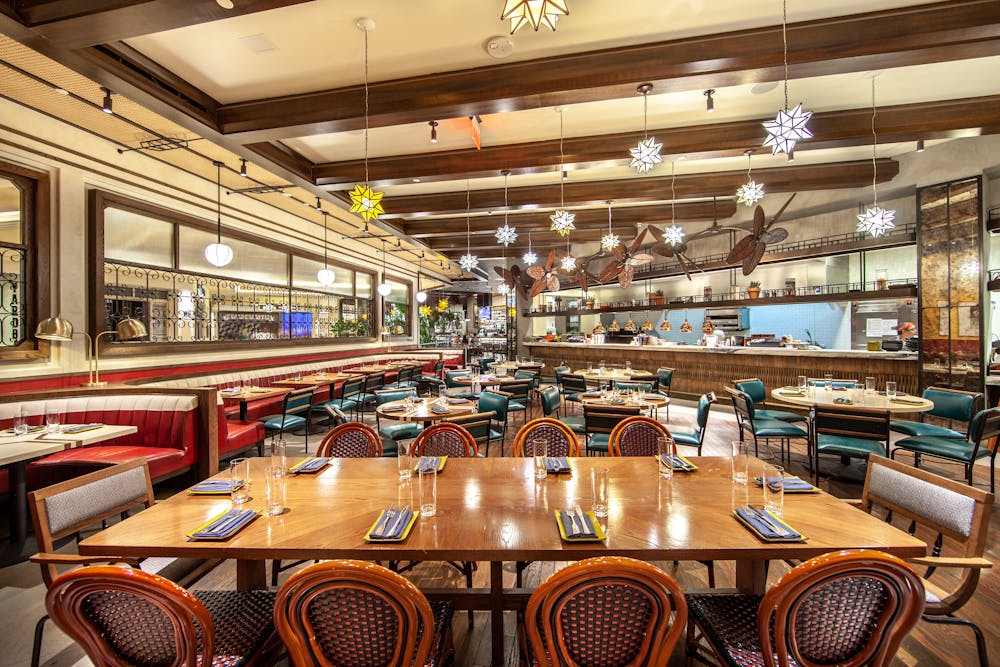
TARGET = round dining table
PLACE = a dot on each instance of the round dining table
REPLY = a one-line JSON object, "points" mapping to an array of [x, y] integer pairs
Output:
{"points": [[422, 411], [857, 398], [486, 380]]}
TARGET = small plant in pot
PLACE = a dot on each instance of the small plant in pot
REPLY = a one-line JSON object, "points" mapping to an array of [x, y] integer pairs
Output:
{"points": [[753, 289]]}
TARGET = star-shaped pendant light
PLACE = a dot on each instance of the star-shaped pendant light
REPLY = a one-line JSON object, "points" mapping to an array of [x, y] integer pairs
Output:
{"points": [[788, 127], [364, 200], [875, 221], [562, 220], [535, 13], [647, 153], [503, 288], [529, 257], [673, 235], [610, 240], [506, 234], [750, 192], [468, 261]]}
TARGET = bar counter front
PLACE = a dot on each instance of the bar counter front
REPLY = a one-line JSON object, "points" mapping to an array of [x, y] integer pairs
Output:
{"points": [[704, 369]]}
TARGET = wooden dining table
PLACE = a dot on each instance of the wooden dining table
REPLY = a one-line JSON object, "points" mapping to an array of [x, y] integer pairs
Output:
{"points": [[858, 398], [494, 510], [421, 411], [315, 380], [248, 394]]}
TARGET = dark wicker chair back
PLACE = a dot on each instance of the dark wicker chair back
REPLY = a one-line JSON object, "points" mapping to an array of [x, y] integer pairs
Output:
{"points": [[352, 440], [637, 436], [558, 438], [445, 439]]}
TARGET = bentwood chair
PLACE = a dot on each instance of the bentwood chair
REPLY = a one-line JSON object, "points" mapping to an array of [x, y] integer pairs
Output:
{"points": [[123, 616], [295, 408], [610, 611], [354, 440], [955, 517], [80, 503], [850, 607], [949, 404], [558, 438], [695, 437], [847, 432], [636, 436], [755, 389], [983, 427], [600, 420], [349, 612]]}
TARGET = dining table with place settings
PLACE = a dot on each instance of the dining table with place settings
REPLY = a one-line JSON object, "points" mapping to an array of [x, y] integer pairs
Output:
{"points": [[691, 516], [426, 410], [858, 397], [314, 380]]}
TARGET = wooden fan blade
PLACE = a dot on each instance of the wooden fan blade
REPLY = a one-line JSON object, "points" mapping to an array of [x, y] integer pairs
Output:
{"points": [[554, 283], [782, 209], [640, 259], [619, 252], [663, 249], [500, 271], [776, 235], [680, 261], [515, 271], [537, 287], [655, 233], [741, 250], [638, 241], [625, 277], [758, 220], [583, 281], [610, 272], [523, 291], [536, 272], [551, 260], [751, 261]]}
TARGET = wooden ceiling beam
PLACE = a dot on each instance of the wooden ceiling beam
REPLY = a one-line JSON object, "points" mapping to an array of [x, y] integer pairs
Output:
{"points": [[832, 129], [78, 23], [539, 223], [793, 178], [945, 31]]}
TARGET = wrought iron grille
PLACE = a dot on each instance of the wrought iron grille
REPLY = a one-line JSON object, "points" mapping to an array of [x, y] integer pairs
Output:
{"points": [[12, 296], [188, 307]]}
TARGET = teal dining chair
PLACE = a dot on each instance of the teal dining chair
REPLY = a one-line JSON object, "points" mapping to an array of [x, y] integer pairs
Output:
{"points": [[762, 428], [497, 403], [950, 404], [754, 388], [295, 408], [695, 437], [393, 433], [847, 432]]}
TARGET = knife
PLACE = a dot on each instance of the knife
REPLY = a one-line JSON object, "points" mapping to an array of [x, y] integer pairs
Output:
{"points": [[765, 519], [578, 517], [380, 526], [397, 526], [226, 524]]}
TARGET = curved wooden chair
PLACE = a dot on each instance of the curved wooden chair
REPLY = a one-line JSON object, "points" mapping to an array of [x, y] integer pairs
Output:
{"points": [[352, 612], [636, 436], [605, 611], [352, 440], [559, 438], [445, 439], [123, 616], [850, 607]]}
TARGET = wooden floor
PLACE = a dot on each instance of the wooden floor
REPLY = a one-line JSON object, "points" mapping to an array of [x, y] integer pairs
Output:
{"points": [[22, 593]]}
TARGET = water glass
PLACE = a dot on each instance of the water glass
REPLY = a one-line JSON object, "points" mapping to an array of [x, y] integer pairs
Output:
{"points": [[278, 460], [890, 390], [540, 450], [404, 460], [774, 496], [590, 366], [741, 461], [628, 365], [665, 452], [239, 479], [51, 420], [20, 421], [599, 483], [870, 385], [428, 491], [828, 381], [803, 383], [274, 490]]}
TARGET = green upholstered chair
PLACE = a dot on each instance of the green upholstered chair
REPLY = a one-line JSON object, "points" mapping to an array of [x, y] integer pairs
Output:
{"points": [[762, 429], [755, 389], [497, 403], [295, 407], [551, 402], [599, 421], [950, 404], [373, 382], [455, 389], [984, 425], [480, 426], [434, 379], [520, 397], [572, 386], [348, 399], [848, 432], [695, 437], [393, 433], [484, 364], [664, 376]]}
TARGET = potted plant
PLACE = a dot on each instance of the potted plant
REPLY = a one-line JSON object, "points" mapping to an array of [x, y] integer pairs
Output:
{"points": [[753, 289], [655, 298]]}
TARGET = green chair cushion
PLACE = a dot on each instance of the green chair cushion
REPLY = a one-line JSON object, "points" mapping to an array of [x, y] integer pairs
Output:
{"points": [[342, 404], [401, 431], [843, 445], [495, 435], [282, 422], [946, 448], [575, 423], [780, 415], [920, 429], [775, 428], [684, 437], [514, 406], [599, 442], [571, 395]]}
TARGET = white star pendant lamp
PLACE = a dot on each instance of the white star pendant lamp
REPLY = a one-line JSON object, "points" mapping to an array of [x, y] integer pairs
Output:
{"points": [[535, 13], [468, 261], [568, 263], [787, 129], [876, 221], [529, 257], [750, 193], [506, 235], [562, 222], [673, 235]]}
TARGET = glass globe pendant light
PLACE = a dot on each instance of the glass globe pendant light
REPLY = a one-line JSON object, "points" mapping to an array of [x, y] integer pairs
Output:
{"points": [[218, 253], [325, 275], [384, 287]]}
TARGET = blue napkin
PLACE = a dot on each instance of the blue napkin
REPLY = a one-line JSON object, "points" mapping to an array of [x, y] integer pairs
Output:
{"points": [[428, 463], [80, 428], [457, 401], [572, 527], [393, 407], [31, 429], [227, 524], [790, 484], [311, 465], [843, 401], [677, 463], [392, 525], [440, 409], [215, 486], [556, 464], [750, 517]]}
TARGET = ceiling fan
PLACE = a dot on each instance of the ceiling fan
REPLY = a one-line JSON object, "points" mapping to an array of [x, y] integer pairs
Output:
{"points": [[626, 259], [545, 277], [678, 252], [750, 249], [512, 278], [580, 275]]}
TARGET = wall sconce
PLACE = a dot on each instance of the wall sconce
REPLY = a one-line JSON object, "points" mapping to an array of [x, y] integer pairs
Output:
{"points": [[58, 329], [434, 131]]}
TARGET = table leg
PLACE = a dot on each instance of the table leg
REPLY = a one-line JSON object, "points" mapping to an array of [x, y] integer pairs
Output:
{"points": [[251, 575], [751, 576], [243, 411], [19, 503], [496, 611]]}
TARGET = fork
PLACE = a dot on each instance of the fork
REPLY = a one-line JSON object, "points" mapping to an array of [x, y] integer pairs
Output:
{"points": [[387, 516], [400, 515], [578, 518]]}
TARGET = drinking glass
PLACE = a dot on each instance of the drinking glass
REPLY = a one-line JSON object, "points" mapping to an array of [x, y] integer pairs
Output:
{"points": [[774, 497], [599, 483], [828, 381], [51, 420], [239, 479], [540, 450], [890, 390], [278, 460], [20, 421], [665, 457], [803, 383], [741, 461], [600, 369], [443, 395], [870, 385], [628, 365], [428, 491], [590, 366], [404, 459], [274, 490]]}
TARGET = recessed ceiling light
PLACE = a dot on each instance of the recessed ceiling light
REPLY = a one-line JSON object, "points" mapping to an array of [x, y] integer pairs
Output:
{"points": [[225, 4], [763, 87], [61, 91], [499, 46], [416, 180]]}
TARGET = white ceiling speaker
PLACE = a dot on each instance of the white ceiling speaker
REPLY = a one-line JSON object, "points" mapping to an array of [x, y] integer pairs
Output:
{"points": [[499, 46]]}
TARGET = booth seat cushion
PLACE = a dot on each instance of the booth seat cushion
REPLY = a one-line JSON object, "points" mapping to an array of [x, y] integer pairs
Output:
{"points": [[236, 435], [166, 435]]}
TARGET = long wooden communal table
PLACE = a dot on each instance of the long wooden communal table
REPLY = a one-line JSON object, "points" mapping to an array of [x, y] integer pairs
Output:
{"points": [[493, 509]]}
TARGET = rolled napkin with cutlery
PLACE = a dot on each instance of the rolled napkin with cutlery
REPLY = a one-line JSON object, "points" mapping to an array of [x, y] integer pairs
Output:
{"points": [[576, 524], [790, 484], [556, 464], [457, 401], [679, 463], [225, 525], [214, 486], [428, 463], [392, 524], [309, 465], [440, 409]]}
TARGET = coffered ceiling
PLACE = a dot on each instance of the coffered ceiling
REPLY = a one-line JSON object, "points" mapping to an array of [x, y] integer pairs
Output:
{"points": [[280, 82]]}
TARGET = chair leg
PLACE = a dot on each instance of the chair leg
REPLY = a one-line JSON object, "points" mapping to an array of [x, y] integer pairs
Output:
{"points": [[980, 640], [36, 648]]}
